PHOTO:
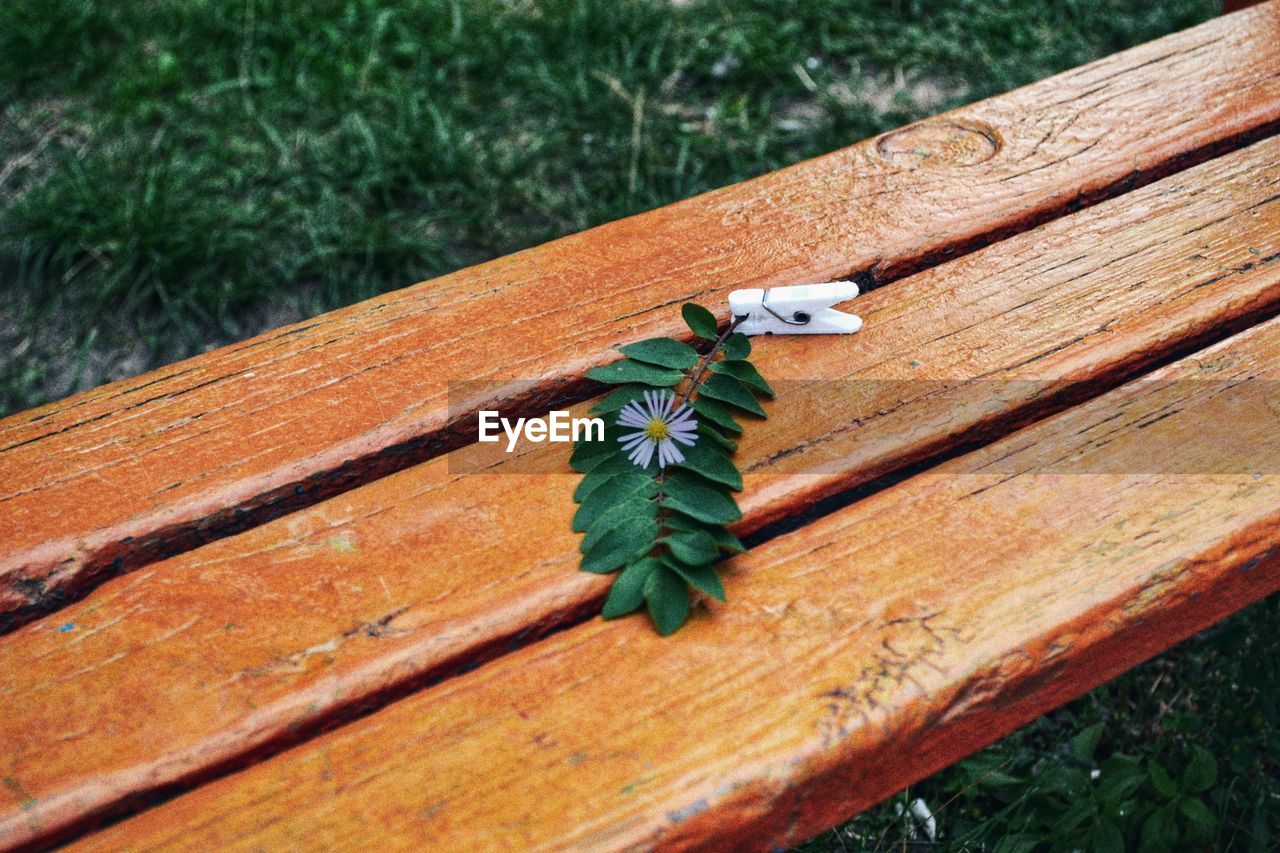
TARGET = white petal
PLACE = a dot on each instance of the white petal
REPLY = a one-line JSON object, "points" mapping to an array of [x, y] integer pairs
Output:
{"points": [[630, 419], [637, 453], [636, 406], [664, 454], [673, 452], [682, 414], [683, 426], [681, 419], [654, 409], [629, 441], [685, 438], [648, 401], [647, 447]]}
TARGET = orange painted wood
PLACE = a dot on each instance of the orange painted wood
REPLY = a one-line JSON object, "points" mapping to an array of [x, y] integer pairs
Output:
{"points": [[859, 654], [268, 635], [119, 476]]}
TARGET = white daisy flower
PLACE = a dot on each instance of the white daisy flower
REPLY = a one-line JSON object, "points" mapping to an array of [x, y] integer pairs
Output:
{"points": [[660, 428]]}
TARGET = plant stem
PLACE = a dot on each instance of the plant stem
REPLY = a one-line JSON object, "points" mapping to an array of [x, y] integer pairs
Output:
{"points": [[696, 377]]}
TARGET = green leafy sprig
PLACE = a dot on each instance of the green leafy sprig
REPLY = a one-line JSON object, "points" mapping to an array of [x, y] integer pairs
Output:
{"points": [[663, 529]]}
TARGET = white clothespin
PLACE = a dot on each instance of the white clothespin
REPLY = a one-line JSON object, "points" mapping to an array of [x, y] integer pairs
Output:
{"points": [[801, 309]]}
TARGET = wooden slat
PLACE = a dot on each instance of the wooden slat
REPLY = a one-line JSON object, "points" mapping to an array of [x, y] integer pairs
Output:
{"points": [[113, 478], [860, 653], [270, 634]]}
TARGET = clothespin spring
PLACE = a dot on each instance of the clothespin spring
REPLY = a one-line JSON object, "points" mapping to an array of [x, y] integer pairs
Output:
{"points": [[799, 318]]}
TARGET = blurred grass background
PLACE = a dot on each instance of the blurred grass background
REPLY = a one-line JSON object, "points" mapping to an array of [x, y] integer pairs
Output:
{"points": [[183, 173], [178, 175]]}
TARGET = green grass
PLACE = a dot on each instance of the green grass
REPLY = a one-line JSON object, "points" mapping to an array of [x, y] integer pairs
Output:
{"points": [[173, 166], [178, 174]]}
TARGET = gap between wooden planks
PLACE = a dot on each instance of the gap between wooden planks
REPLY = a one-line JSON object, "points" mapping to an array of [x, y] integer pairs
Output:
{"points": [[170, 675], [857, 655], [116, 477]]}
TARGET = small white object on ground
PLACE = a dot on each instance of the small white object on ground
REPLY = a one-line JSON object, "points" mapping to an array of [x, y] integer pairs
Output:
{"points": [[925, 822]]}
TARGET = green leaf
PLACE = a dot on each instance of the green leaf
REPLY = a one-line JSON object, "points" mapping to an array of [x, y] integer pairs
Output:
{"points": [[705, 458], [716, 413], [706, 430], [737, 347], [1197, 812], [664, 352], [700, 320], [1085, 744], [1107, 838], [1065, 780], [1016, 844], [612, 492], [719, 534], [746, 373], [1159, 832], [725, 540], [1080, 810], [1118, 784], [603, 471], [668, 599], [627, 592], [1121, 766], [701, 577], [1160, 778], [695, 548], [615, 400], [690, 495], [587, 455], [637, 507], [1201, 773], [629, 370], [630, 539], [997, 779], [729, 390]]}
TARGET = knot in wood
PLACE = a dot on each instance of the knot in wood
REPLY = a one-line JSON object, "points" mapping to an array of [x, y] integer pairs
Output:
{"points": [[939, 144]]}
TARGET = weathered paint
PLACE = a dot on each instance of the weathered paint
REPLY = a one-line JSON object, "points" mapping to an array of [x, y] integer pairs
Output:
{"points": [[857, 655], [111, 479], [264, 637]]}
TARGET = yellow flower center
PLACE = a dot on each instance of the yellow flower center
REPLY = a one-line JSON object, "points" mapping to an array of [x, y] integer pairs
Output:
{"points": [[656, 429]]}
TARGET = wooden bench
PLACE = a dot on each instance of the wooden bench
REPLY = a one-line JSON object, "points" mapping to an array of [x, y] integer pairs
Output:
{"points": [[1053, 269]]}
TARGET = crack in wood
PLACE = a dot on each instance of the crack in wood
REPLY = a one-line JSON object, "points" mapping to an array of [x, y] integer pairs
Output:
{"points": [[906, 644]]}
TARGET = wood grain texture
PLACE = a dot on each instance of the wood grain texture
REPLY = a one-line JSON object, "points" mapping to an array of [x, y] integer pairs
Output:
{"points": [[114, 478], [269, 635], [859, 654]]}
